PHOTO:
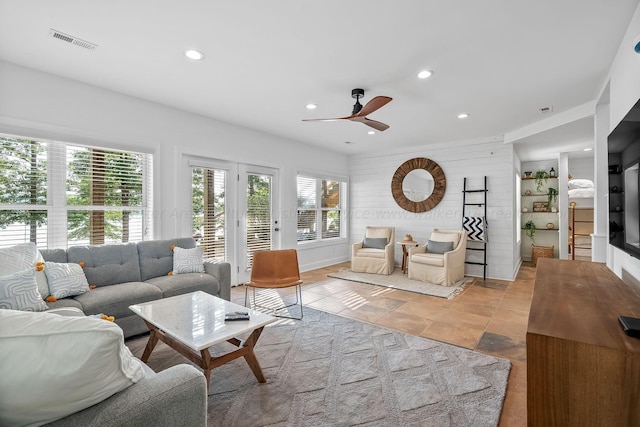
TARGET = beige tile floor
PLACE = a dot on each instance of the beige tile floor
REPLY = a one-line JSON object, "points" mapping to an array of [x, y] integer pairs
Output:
{"points": [[488, 316]]}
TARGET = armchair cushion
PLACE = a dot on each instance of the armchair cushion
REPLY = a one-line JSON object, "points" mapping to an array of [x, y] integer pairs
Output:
{"points": [[371, 253], [428, 259], [53, 366], [375, 242], [438, 236], [435, 247]]}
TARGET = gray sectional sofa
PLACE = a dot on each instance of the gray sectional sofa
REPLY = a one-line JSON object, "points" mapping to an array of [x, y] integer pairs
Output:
{"points": [[132, 273]]}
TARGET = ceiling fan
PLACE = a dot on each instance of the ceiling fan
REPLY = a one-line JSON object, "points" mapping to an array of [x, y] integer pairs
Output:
{"points": [[359, 112]]}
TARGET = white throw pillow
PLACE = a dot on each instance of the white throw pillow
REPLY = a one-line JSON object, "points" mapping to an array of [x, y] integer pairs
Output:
{"points": [[19, 291], [20, 257], [188, 260], [65, 279], [53, 366]]}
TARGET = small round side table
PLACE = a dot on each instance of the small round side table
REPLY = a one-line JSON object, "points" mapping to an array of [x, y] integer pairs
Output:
{"points": [[405, 253]]}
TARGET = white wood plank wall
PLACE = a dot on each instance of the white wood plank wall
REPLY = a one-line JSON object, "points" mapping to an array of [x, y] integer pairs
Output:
{"points": [[371, 202]]}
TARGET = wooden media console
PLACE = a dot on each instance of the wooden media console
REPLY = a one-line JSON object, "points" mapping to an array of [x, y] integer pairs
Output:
{"points": [[582, 369]]}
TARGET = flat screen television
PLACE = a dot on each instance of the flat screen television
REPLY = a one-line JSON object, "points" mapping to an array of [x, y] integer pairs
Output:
{"points": [[624, 204]]}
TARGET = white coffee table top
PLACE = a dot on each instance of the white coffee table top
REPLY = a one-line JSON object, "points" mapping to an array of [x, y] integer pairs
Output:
{"points": [[197, 319]]}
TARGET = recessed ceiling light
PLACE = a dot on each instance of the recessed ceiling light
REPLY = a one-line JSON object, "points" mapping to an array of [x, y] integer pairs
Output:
{"points": [[371, 132], [425, 74], [463, 115], [196, 55], [311, 106], [587, 149]]}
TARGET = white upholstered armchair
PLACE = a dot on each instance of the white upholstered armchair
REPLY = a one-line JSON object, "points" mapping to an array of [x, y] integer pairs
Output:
{"points": [[441, 260], [375, 253]]}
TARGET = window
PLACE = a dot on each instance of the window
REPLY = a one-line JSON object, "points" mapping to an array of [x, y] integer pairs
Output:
{"points": [[60, 194], [320, 208], [208, 207]]}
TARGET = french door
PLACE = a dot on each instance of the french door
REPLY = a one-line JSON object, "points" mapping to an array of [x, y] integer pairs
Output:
{"points": [[258, 224], [233, 207]]}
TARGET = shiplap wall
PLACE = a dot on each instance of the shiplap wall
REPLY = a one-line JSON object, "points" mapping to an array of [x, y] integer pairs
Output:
{"points": [[581, 168], [371, 202]]}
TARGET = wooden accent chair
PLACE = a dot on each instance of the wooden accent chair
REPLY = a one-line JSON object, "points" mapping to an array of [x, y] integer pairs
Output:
{"points": [[275, 269]]}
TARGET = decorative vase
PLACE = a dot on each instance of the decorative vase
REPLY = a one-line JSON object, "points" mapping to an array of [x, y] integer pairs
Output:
{"points": [[525, 210], [550, 226]]}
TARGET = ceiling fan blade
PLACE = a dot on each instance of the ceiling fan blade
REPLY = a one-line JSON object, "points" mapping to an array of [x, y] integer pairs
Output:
{"points": [[373, 105], [324, 120], [376, 124], [373, 123]]}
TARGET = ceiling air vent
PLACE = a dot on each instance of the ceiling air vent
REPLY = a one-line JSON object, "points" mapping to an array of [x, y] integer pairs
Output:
{"points": [[71, 39]]}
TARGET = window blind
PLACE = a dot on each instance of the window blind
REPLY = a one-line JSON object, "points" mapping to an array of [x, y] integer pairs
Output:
{"points": [[70, 194]]}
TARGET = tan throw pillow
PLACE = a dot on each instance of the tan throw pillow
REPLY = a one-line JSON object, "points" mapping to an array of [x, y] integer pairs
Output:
{"points": [[53, 366]]}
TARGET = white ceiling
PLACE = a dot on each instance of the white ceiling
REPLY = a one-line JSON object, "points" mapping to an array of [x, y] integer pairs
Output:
{"points": [[498, 60]]}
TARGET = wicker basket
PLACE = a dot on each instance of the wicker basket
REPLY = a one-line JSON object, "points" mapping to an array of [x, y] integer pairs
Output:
{"points": [[540, 252]]}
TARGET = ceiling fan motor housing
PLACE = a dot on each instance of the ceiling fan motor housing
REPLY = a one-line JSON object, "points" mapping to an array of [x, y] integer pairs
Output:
{"points": [[357, 93]]}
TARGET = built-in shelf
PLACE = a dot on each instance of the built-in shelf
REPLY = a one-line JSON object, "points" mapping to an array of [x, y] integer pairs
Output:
{"points": [[543, 229]]}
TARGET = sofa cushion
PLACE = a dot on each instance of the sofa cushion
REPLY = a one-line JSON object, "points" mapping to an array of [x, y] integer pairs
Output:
{"points": [[115, 300], [64, 302], [53, 366], [107, 264], [54, 255], [65, 279], [19, 291], [188, 260], [428, 259], [185, 283], [20, 257], [156, 256]]}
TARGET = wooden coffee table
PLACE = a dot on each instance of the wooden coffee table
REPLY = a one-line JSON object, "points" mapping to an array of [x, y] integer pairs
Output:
{"points": [[191, 323]]}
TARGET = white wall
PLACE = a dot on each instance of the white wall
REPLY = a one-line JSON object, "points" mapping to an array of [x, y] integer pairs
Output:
{"points": [[581, 168], [373, 204], [41, 105], [624, 93]]}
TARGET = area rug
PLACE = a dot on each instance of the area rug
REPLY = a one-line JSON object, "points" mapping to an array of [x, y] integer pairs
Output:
{"points": [[328, 370], [399, 280]]}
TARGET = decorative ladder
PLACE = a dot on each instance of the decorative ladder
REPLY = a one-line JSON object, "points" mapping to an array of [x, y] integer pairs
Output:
{"points": [[476, 225]]}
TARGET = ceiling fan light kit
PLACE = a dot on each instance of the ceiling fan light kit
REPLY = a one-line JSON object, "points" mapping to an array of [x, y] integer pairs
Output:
{"points": [[359, 112]]}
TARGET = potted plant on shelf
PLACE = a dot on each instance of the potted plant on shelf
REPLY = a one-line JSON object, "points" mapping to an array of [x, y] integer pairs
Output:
{"points": [[530, 230], [552, 195], [541, 178]]}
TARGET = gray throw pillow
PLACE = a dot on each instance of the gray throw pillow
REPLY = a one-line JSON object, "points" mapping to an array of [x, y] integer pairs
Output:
{"points": [[374, 242], [439, 247]]}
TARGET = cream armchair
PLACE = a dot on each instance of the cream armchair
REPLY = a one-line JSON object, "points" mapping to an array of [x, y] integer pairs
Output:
{"points": [[439, 265], [375, 253]]}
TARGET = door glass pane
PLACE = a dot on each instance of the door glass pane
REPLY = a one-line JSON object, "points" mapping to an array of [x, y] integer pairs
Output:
{"points": [[258, 214], [208, 206]]}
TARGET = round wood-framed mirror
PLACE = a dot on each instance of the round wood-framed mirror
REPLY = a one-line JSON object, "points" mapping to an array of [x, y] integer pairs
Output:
{"points": [[423, 203]]}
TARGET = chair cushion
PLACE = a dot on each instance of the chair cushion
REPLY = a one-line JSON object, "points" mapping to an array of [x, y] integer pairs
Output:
{"points": [[371, 253], [378, 232], [428, 259], [53, 366], [439, 247], [438, 236], [374, 242]]}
